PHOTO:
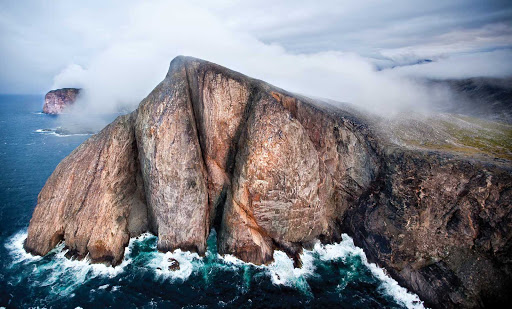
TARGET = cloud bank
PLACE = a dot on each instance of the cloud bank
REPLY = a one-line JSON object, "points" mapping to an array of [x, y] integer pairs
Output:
{"points": [[331, 51]]}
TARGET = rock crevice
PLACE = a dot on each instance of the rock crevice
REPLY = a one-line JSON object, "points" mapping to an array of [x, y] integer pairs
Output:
{"points": [[210, 147]]}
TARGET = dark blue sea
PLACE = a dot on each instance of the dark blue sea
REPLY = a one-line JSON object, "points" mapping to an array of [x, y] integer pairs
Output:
{"points": [[31, 146]]}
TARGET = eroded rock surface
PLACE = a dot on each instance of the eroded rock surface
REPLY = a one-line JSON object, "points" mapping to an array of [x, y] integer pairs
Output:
{"points": [[212, 148], [94, 199], [442, 227], [57, 100]]}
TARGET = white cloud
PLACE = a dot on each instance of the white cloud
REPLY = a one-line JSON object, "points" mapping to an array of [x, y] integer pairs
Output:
{"points": [[497, 35], [119, 53], [73, 76], [485, 64], [137, 58]]}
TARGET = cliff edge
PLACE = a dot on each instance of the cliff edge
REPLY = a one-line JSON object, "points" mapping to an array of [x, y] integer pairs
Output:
{"points": [[212, 148]]}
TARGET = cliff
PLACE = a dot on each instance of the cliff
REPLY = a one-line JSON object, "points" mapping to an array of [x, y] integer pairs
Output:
{"points": [[270, 170], [57, 100]]}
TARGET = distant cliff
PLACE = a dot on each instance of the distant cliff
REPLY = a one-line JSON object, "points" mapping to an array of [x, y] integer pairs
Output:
{"points": [[209, 147], [57, 100]]}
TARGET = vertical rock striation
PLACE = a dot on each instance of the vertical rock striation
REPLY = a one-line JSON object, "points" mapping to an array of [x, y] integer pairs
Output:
{"points": [[172, 165], [212, 148]]}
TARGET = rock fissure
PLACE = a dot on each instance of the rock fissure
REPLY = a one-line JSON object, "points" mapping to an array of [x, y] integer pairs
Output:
{"points": [[212, 148]]}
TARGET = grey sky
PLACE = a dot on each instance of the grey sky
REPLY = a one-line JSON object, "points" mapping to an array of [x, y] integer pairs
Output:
{"points": [[76, 43]]}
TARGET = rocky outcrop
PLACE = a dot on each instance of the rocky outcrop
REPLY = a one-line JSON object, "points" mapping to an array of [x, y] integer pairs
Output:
{"points": [[212, 148], [441, 226], [57, 100], [94, 199]]}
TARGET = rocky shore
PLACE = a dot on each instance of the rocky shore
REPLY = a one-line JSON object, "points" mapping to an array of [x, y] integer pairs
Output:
{"points": [[212, 148]]}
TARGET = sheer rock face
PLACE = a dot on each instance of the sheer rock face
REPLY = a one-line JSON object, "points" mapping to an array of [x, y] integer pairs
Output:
{"points": [[93, 199], [442, 227], [271, 204], [221, 102], [172, 165], [57, 100], [269, 170]]}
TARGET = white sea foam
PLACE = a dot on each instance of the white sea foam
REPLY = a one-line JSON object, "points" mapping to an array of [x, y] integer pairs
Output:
{"points": [[73, 134], [346, 247], [61, 274], [141, 237], [56, 133], [15, 247], [159, 262], [231, 260], [283, 272], [46, 131], [391, 287], [188, 263]]}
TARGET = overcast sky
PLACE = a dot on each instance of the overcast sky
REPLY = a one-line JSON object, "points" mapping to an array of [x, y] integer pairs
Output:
{"points": [[122, 49]]}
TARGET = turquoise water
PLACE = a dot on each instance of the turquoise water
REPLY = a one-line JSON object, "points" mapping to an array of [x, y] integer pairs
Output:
{"points": [[335, 275]]}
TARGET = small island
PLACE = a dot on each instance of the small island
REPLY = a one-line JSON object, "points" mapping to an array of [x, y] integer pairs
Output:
{"points": [[55, 101]]}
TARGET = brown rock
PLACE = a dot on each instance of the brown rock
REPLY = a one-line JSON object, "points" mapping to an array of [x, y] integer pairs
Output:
{"points": [[57, 100], [175, 265], [172, 165], [210, 147], [93, 200], [441, 226]]}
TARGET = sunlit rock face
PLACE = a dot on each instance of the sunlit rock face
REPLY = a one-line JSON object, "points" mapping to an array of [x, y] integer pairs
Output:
{"points": [[94, 199], [212, 148], [56, 101]]}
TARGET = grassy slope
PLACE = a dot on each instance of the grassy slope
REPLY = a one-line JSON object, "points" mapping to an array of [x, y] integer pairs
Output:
{"points": [[452, 133]]}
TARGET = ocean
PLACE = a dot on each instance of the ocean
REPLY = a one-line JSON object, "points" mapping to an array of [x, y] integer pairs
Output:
{"points": [[31, 146]]}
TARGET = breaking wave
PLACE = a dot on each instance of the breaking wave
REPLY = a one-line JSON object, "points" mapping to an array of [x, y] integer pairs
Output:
{"points": [[342, 260], [61, 132], [283, 272], [60, 274], [346, 249]]}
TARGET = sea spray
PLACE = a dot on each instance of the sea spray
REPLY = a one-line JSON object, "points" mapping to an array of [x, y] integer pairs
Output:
{"points": [[188, 262], [59, 132], [60, 275], [282, 271], [346, 249], [14, 245], [344, 261]]}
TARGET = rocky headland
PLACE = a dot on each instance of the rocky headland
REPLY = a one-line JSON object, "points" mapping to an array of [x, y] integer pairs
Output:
{"points": [[212, 148], [55, 101]]}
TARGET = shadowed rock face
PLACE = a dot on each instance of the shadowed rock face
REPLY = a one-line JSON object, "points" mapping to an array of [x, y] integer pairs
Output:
{"points": [[441, 226], [57, 100], [269, 170]]}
